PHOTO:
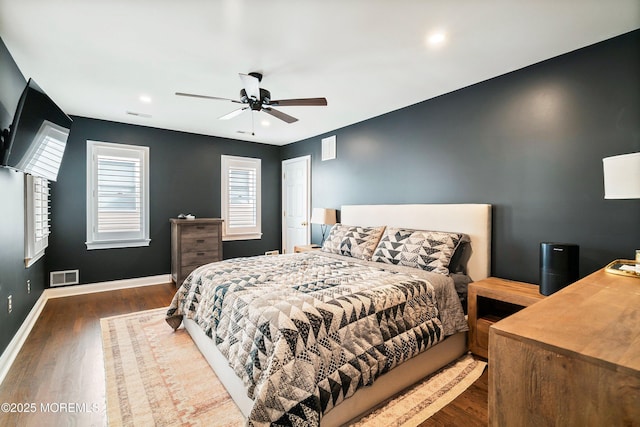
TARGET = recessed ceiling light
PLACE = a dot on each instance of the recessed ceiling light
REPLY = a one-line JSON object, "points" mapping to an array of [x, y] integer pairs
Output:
{"points": [[145, 98], [436, 39], [265, 123]]}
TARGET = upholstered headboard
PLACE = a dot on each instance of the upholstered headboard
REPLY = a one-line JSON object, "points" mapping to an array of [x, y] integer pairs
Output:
{"points": [[472, 219]]}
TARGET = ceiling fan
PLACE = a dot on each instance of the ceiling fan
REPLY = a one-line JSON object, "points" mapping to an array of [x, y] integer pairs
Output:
{"points": [[255, 98]]}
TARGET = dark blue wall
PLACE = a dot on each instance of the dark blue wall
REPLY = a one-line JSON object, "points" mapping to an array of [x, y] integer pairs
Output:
{"points": [[530, 142], [184, 177]]}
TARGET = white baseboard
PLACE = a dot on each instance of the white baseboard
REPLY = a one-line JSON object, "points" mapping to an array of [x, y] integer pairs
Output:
{"points": [[11, 352], [112, 285]]}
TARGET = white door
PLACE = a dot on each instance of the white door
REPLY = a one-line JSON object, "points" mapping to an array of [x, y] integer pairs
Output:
{"points": [[296, 229]]}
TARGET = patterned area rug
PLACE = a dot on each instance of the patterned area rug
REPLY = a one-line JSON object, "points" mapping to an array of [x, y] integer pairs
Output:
{"points": [[149, 383], [158, 377]]}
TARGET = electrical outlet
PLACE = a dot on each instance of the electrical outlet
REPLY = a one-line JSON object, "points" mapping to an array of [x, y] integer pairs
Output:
{"points": [[9, 303], [28, 286]]}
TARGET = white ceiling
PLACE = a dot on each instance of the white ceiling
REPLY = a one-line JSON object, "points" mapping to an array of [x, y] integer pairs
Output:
{"points": [[367, 57]]}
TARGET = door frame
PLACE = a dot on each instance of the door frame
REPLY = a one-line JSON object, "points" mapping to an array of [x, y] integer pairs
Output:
{"points": [[307, 159]]}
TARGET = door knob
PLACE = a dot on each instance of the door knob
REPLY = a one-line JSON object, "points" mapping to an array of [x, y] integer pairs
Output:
{"points": [[304, 223]]}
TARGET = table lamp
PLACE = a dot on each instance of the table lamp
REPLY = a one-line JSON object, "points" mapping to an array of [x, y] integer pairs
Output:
{"points": [[622, 176], [323, 217], [622, 181]]}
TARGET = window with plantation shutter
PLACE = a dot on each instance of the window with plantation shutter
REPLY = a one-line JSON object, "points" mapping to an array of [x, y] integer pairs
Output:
{"points": [[37, 218], [117, 195], [241, 208]]}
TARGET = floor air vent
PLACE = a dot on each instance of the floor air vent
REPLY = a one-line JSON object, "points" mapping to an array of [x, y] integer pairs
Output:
{"points": [[62, 278]]}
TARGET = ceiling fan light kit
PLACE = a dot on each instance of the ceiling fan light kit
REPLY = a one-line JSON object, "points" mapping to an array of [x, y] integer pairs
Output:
{"points": [[256, 98]]}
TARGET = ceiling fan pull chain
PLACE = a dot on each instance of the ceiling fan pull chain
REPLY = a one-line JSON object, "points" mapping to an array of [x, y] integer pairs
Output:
{"points": [[253, 130]]}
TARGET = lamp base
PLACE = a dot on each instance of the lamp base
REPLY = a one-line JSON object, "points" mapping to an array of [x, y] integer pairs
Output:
{"points": [[323, 229]]}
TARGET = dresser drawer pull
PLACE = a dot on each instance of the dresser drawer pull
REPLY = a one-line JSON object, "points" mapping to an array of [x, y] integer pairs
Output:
{"points": [[200, 227], [200, 241], [200, 253]]}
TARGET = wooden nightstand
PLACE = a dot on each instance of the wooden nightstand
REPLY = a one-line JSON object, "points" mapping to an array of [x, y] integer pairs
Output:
{"points": [[493, 299], [305, 248]]}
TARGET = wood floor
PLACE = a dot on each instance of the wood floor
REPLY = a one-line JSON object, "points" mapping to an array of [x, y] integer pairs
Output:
{"points": [[61, 361], [60, 367], [468, 410]]}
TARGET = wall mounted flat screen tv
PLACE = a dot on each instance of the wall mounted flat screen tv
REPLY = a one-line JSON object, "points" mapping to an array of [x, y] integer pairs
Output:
{"points": [[37, 138]]}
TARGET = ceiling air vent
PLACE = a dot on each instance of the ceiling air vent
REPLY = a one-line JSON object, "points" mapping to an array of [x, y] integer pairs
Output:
{"points": [[143, 115], [62, 278]]}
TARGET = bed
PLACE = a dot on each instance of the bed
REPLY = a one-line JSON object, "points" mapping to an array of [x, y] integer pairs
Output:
{"points": [[358, 328]]}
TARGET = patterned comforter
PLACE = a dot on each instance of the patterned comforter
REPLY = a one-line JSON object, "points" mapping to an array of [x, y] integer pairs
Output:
{"points": [[305, 331]]}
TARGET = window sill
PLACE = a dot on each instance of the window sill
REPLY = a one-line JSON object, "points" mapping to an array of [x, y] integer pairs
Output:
{"points": [[114, 244], [28, 262], [252, 236]]}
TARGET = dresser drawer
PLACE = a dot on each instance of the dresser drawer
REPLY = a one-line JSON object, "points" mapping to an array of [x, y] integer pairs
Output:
{"points": [[199, 243], [187, 269], [200, 231], [198, 258]]}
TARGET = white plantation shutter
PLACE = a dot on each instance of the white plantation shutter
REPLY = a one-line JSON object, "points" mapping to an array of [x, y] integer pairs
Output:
{"points": [[37, 218], [117, 195], [243, 203], [45, 152], [41, 209], [241, 198]]}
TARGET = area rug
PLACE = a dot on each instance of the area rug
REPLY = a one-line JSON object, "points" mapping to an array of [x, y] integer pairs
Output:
{"points": [[149, 382]]}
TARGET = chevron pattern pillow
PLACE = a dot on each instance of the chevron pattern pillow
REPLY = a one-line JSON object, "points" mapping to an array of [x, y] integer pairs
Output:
{"points": [[353, 241], [427, 250]]}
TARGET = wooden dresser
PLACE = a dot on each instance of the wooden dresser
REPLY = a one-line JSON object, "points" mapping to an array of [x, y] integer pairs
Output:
{"points": [[194, 242], [572, 359]]}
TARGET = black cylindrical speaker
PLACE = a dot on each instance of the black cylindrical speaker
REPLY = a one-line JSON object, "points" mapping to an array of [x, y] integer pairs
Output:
{"points": [[558, 266]]}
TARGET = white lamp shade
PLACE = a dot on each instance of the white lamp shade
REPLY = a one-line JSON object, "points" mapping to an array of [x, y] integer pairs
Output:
{"points": [[622, 176], [323, 216]]}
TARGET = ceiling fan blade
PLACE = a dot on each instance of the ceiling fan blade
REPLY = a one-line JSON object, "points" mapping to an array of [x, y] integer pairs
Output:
{"points": [[279, 115], [251, 85], [302, 101], [234, 113], [192, 95]]}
